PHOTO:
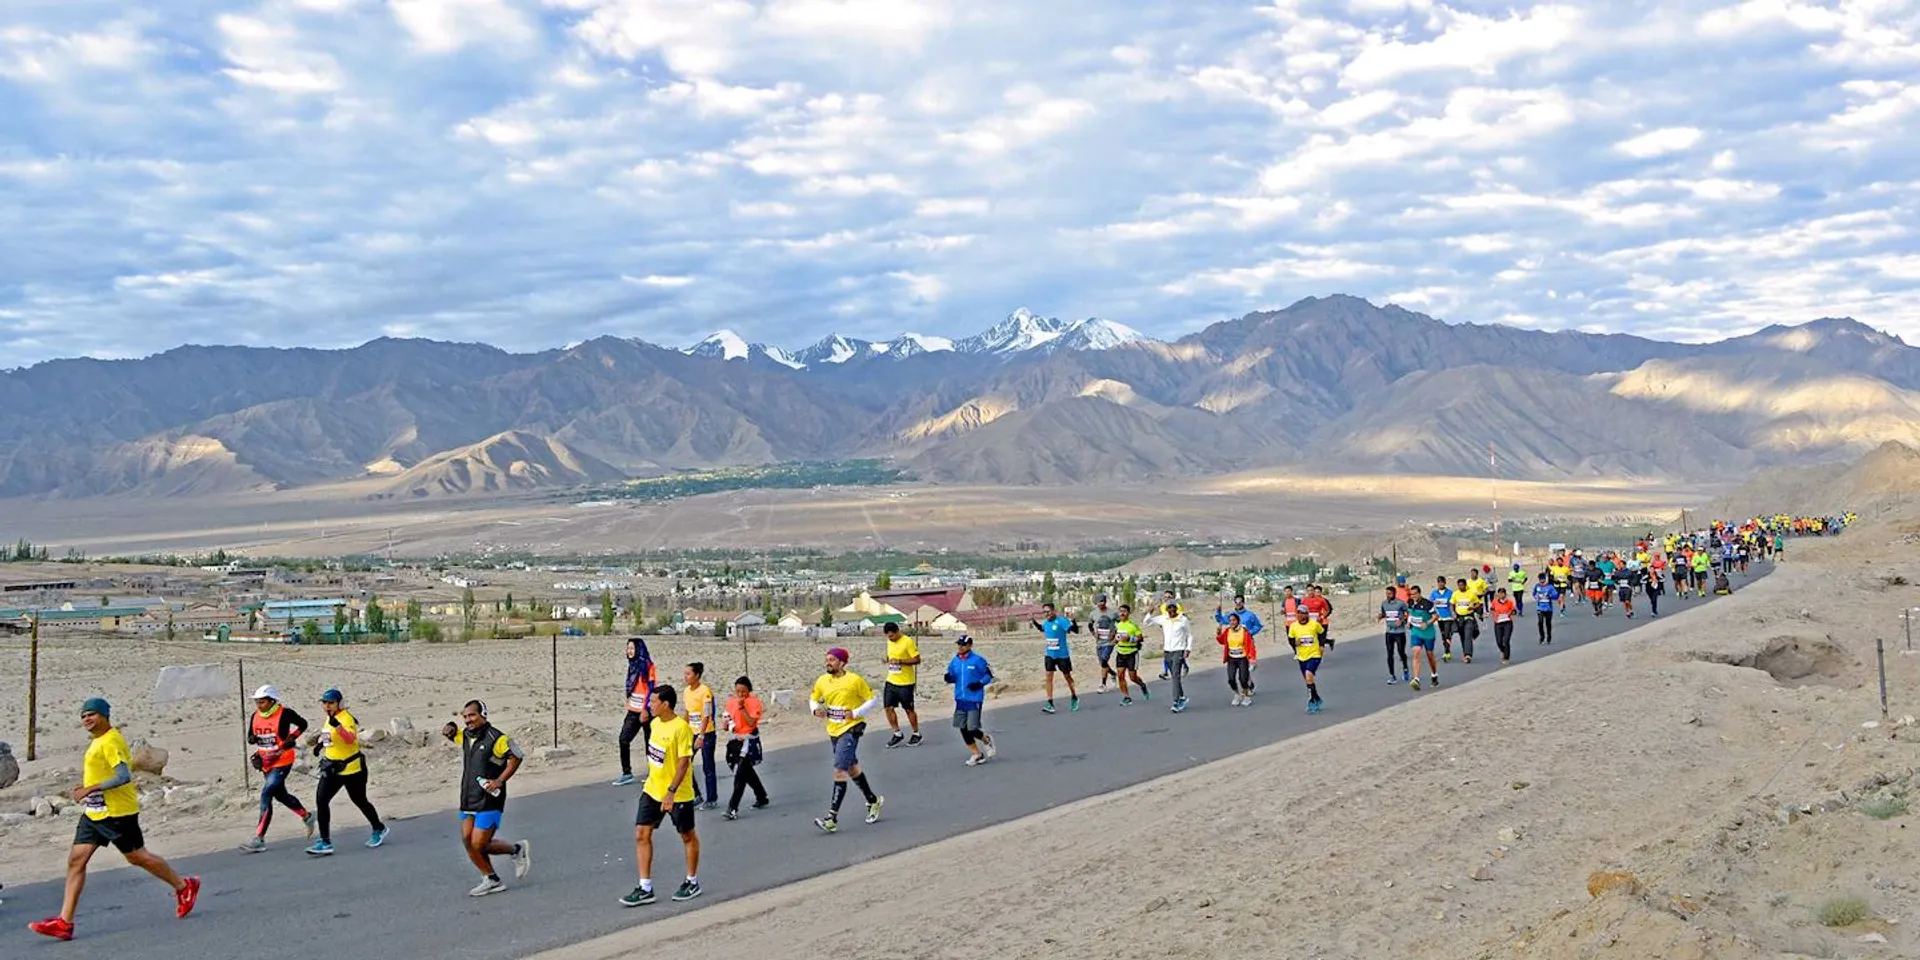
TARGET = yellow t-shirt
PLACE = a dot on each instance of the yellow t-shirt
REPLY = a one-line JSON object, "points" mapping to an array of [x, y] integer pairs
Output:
{"points": [[902, 649], [1476, 592], [1306, 638], [670, 742], [840, 696], [700, 709], [339, 750], [107, 751]]}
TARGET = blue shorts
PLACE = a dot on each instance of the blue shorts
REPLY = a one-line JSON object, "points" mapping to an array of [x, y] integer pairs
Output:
{"points": [[484, 820], [846, 748], [1424, 643], [1309, 666]]}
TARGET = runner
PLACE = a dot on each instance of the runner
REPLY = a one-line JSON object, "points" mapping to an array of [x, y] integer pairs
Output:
{"points": [[1476, 590], [1304, 634], [1422, 634], [1103, 627], [970, 674], [1502, 608], [1248, 619], [667, 795], [342, 767], [1166, 658], [700, 720], [1562, 575], [1059, 655], [1393, 611], [641, 676], [842, 698], [1126, 655], [1241, 657], [744, 711], [1627, 582], [1177, 644], [274, 730], [1466, 626], [1443, 612], [1517, 582], [1597, 588], [488, 759], [903, 663], [1701, 563], [1545, 595], [1322, 610], [109, 816]]}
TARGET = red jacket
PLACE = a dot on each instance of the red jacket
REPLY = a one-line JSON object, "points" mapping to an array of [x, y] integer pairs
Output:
{"points": [[1253, 652]]}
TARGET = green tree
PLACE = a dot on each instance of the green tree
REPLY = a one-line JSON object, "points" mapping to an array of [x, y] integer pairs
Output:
{"points": [[1266, 590], [310, 632], [1130, 590], [413, 611], [340, 623], [884, 581], [376, 617], [469, 617], [253, 620], [606, 611], [1047, 588], [637, 610], [424, 630], [170, 633], [509, 603], [826, 614]]}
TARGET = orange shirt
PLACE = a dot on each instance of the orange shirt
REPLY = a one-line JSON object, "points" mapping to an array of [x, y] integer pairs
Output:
{"points": [[1503, 609], [744, 713]]}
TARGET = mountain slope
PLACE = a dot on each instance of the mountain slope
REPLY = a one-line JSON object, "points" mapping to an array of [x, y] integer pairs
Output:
{"points": [[1078, 440], [511, 461]]}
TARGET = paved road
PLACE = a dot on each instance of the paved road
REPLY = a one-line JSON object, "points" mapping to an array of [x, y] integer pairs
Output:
{"points": [[409, 898]]}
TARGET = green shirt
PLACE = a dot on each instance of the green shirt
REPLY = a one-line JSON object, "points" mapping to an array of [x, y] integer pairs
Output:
{"points": [[1127, 637]]}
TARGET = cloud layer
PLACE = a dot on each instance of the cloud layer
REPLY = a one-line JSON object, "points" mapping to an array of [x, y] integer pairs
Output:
{"points": [[320, 172]]}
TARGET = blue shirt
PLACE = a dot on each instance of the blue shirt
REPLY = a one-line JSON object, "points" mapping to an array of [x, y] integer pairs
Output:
{"points": [[1056, 630], [1248, 619], [1544, 594], [1442, 603], [964, 672]]}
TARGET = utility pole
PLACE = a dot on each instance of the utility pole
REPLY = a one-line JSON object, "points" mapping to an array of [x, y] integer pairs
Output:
{"points": [[33, 686], [1493, 481]]}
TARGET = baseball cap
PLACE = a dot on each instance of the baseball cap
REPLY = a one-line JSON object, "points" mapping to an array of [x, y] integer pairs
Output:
{"points": [[97, 705], [963, 640], [268, 692], [330, 696], [1099, 598]]}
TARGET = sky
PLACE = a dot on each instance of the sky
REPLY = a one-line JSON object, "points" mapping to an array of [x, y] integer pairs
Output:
{"points": [[531, 173]]}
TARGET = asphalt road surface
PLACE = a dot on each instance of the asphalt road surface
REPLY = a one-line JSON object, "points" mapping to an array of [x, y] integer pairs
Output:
{"points": [[408, 899]]}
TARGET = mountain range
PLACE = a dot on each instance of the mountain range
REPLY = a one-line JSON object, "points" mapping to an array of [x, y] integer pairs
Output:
{"points": [[1327, 383]]}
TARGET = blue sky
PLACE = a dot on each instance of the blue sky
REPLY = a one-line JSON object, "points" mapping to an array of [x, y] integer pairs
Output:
{"points": [[529, 173]]}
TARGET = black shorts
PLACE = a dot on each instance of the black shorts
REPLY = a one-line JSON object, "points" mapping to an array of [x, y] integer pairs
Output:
{"points": [[895, 696], [1062, 664], [651, 814], [1126, 661], [121, 833]]}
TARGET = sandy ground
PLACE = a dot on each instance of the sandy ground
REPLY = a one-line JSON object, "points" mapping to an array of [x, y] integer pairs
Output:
{"points": [[1716, 762], [906, 517]]}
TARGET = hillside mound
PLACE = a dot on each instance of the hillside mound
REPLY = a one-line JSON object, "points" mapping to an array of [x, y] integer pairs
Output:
{"points": [[1885, 478], [511, 461]]}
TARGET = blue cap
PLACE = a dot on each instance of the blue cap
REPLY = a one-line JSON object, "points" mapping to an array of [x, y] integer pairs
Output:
{"points": [[97, 705], [330, 696]]}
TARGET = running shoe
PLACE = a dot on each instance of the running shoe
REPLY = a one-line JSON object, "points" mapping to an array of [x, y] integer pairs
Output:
{"points": [[1312, 707], [1447, 657], [827, 824], [762, 803], [1235, 701], [1406, 675], [974, 761], [1391, 679], [186, 897], [1048, 708], [1164, 675], [311, 823], [1180, 705], [640, 897], [320, 848], [709, 805], [1466, 659], [731, 815], [1414, 683], [914, 740], [253, 845], [1144, 695], [1126, 701], [522, 859], [896, 740], [379, 836], [1073, 705], [1434, 680], [688, 890], [52, 927], [487, 885], [623, 780], [992, 751], [873, 809]]}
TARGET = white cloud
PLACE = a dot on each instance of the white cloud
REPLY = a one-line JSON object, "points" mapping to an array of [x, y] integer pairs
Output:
{"points": [[1659, 143], [1471, 43], [921, 288], [658, 280], [267, 55], [443, 26], [500, 133], [951, 207]]}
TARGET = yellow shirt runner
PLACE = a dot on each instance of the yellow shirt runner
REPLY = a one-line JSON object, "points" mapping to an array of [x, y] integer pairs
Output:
{"points": [[105, 754], [902, 648], [840, 696], [338, 750], [669, 743], [1306, 639]]}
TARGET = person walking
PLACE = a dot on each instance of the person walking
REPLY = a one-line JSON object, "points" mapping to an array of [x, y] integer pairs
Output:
{"points": [[109, 817], [1305, 634], [1241, 657], [1393, 612], [1248, 619], [903, 664], [1545, 596], [1166, 659], [700, 720], [488, 759], [667, 795], [1059, 654], [744, 711], [1502, 609], [1127, 640], [641, 677], [843, 698], [1177, 644], [342, 767], [1517, 582], [969, 673], [274, 730], [1655, 584]]}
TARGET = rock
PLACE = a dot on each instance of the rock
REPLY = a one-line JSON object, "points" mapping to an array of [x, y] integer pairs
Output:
{"points": [[1870, 725], [400, 725], [70, 811], [418, 738], [1870, 938], [40, 807], [1509, 836], [1521, 784], [1603, 882], [553, 753], [376, 735], [1440, 915], [783, 698], [1482, 873], [9, 767], [1693, 721], [59, 802], [148, 758]]}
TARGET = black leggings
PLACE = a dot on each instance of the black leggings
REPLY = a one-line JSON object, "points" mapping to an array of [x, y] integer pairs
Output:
{"points": [[356, 786], [1397, 643], [1239, 675], [1467, 629], [1543, 624], [1653, 600], [636, 725], [745, 776], [1503, 637]]}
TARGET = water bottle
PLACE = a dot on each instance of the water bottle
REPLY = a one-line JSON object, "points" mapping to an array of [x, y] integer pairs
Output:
{"points": [[482, 781]]}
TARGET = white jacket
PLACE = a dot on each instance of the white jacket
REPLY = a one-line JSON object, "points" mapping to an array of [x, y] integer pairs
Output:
{"points": [[1179, 632]]}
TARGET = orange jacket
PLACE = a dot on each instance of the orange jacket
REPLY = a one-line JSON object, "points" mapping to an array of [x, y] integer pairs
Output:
{"points": [[1253, 652]]}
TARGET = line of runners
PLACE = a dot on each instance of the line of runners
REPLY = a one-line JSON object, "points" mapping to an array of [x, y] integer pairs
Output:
{"points": [[1416, 621]]}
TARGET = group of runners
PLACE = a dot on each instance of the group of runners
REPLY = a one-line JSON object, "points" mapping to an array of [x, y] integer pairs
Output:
{"points": [[681, 727]]}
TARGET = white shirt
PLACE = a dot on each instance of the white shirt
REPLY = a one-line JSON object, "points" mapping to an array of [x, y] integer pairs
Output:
{"points": [[1179, 632]]}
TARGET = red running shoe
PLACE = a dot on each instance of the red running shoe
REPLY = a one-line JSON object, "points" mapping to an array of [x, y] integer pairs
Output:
{"points": [[185, 897], [52, 927]]}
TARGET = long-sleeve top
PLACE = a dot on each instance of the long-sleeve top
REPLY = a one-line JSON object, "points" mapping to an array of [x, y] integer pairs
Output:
{"points": [[1179, 631], [1248, 619]]}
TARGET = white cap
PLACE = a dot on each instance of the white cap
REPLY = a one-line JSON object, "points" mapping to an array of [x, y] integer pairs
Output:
{"points": [[267, 692]]}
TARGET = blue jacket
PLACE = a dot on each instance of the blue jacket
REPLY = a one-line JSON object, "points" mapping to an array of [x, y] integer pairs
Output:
{"points": [[1248, 619], [970, 676]]}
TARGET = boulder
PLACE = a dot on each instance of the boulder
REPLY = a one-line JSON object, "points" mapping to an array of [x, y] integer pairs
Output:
{"points": [[1603, 882], [376, 735], [400, 725], [9, 767], [40, 807], [148, 758]]}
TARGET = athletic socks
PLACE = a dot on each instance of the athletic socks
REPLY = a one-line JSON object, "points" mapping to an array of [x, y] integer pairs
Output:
{"points": [[1313, 691], [861, 782], [839, 795], [646, 883]]}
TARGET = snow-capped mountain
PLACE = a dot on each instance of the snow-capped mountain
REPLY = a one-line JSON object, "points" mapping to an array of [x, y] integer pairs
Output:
{"points": [[835, 348], [727, 345], [914, 344], [1020, 333], [1094, 333]]}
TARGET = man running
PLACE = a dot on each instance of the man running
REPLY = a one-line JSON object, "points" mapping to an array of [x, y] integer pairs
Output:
{"points": [[1241, 657], [1103, 626], [1502, 608], [1443, 612], [1466, 628], [488, 759], [1701, 563], [641, 676], [1627, 582], [744, 711], [1304, 634], [1545, 596], [1393, 611], [1562, 574], [667, 795], [274, 730], [700, 721], [1177, 642], [109, 816], [1597, 588], [1126, 655], [842, 698], [970, 674], [342, 767], [1059, 655], [1517, 582], [1422, 635], [903, 669], [1322, 610]]}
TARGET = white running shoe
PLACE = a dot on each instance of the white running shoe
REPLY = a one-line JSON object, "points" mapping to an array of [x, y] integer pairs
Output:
{"points": [[486, 886], [522, 859], [992, 751]]}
